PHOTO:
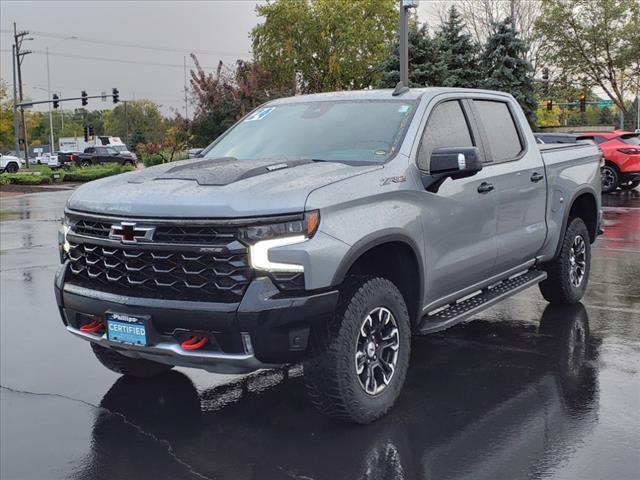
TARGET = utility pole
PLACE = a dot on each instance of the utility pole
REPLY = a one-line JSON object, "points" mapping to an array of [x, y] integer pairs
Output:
{"points": [[50, 113], [186, 108], [126, 124], [18, 38], [403, 32], [16, 130]]}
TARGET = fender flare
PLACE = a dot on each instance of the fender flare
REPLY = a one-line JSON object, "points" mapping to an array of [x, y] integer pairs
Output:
{"points": [[373, 240], [565, 219]]}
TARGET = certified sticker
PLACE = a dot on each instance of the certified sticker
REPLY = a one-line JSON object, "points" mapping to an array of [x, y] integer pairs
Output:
{"points": [[259, 114]]}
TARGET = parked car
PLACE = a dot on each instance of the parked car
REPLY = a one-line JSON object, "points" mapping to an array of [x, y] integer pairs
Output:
{"points": [[621, 151], [10, 163], [98, 155], [327, 229]]}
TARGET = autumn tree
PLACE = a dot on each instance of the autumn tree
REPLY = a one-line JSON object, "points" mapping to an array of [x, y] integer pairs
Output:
{"points": [[324, 45]]}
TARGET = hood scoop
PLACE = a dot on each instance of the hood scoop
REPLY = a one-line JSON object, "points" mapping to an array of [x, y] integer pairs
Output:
{"points": [[224, 171]]}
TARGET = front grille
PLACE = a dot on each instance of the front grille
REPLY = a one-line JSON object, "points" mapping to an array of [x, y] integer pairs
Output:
{"points": [[215, 270], [179, 234]]}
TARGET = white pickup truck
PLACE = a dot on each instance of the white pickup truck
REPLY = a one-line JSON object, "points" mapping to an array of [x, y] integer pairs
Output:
{"points": [[10, 163]]}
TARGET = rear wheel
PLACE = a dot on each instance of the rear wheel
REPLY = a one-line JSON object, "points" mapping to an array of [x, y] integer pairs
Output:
{"points": [[568, 274], [610, 178], [358, 365], [630, 185], [134, 367], [85, 163]]}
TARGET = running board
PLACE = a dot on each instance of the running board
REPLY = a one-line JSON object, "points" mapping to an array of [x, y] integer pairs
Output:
{"points": [[465, 307]]}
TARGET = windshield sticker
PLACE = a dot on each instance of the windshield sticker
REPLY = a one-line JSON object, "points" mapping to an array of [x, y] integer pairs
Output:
{"points": [[403, 109], [259, 114]]}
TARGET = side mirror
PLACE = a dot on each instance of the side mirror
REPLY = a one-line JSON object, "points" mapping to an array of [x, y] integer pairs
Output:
{"points": [[451, 162]]}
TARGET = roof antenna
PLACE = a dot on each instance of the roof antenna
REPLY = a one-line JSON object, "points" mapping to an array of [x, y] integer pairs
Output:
{"points": [[400, 89]]}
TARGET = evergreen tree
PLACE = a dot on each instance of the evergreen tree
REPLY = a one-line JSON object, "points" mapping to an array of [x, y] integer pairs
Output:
{"points": [[505, 68], [425, 67], [458, 53]]}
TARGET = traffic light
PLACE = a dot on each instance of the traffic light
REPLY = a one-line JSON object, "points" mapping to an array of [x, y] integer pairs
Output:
{"points": [[56, 103], [549, 105], [545, 74], [83, 94], [116, 95], [91, 131], [583, 103], [86, 133]]}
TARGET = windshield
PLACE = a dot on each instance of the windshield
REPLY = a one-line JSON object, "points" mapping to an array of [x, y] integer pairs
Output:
{"points": [[347, 131]]}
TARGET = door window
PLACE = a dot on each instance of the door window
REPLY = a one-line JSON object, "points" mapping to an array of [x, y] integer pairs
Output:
{"points": [[500, 130], [447, 127]]}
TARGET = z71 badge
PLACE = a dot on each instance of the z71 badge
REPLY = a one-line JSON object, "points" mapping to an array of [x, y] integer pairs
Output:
{"points": [[389, 180]]}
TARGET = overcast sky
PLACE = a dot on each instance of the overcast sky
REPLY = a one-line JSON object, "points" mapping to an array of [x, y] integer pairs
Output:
{"points": [[98, 45]]}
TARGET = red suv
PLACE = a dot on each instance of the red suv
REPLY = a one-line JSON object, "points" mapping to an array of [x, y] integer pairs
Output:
{"points": [[621, 151]]}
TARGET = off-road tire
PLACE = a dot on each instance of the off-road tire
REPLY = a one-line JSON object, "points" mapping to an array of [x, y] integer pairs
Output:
{"points": [[11, 167], [134, 367], [629, 185], [611, 178], [85, 163], [558, 288], [330, 372]]}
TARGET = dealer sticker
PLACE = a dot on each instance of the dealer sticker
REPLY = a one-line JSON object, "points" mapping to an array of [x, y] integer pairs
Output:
{"points": [[259, 114]]}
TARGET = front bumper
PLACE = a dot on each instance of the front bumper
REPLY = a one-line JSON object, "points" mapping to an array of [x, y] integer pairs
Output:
{"points": [[265, 329]]}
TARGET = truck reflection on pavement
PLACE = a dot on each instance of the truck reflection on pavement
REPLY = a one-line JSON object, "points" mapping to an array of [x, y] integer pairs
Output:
{"points": [[486, 400]]}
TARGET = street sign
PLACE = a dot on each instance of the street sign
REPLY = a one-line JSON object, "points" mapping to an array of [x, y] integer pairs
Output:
{"points": [[605, 103]]}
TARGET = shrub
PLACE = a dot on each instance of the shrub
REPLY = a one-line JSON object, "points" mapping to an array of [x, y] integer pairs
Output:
{"points": [[93, 173], [25, 179], [153, 159]]}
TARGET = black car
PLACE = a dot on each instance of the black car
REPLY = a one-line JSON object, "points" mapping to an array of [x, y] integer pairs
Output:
{"points": [[98, 155]]}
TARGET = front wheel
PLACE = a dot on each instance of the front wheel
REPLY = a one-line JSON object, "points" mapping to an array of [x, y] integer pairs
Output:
{"points": [[12, 167], [358, 364], [133, 367], [568, 274], [610, 178]]}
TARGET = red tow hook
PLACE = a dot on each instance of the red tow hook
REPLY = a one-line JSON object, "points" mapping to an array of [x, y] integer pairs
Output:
{"points": [[194, 343], [92, 327]]}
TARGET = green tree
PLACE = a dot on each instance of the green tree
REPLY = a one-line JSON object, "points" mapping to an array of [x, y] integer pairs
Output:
{"points": [[324, 45], [425, 66], [6, 118], [595, 41], [138, 117], [505, 68], [458, 52]]}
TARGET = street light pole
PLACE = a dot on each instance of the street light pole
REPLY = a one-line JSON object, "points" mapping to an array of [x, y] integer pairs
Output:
{"points": [[50, 113]]}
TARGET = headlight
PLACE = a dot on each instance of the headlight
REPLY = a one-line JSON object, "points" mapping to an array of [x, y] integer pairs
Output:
{"points": [[262, 238]]}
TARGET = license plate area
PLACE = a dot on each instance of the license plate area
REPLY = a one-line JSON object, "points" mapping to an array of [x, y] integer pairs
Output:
{"points": [[127, 328]]}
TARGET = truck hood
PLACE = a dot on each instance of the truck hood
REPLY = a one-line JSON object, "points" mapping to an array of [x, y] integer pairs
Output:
{"points": [[212, 188]]}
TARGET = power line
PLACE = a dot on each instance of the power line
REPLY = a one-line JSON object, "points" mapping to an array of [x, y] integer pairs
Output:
{"points": [[133, 45], [115, 60]]}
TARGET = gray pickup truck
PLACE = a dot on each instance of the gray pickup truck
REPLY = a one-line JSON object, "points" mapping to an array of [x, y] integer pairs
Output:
{"points": [[327, 229]]}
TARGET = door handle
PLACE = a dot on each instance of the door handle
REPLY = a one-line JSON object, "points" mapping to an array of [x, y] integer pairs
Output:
{"points": [[485, 187], [536, 177]]}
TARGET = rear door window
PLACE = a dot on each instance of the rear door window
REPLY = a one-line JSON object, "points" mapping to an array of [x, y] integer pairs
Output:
{"points": [[500, 129], [447, 127]]}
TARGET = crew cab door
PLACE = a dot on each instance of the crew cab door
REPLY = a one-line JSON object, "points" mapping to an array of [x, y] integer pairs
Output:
{"points": [[459, 220], [519, 179]]}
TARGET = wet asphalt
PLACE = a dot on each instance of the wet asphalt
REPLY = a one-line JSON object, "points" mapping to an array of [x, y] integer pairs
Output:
{"points": [[524, 390]]}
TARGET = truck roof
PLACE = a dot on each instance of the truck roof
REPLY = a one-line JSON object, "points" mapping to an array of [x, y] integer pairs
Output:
{"points": [[378, 94]]}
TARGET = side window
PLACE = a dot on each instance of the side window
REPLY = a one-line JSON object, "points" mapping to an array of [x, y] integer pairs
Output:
{"points": [[500, 129], [446, 127], [90, 150]]}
